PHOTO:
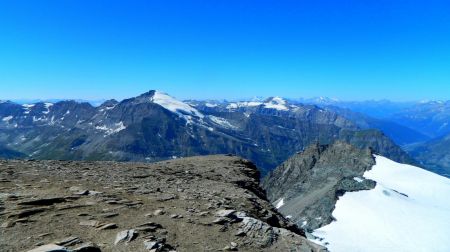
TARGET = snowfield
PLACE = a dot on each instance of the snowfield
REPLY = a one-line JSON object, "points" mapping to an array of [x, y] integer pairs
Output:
{"points": [[174, 105], [277, 103], [408, 210]]}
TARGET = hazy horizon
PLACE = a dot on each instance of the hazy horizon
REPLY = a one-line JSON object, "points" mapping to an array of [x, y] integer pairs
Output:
{"points": [[316, 98]]}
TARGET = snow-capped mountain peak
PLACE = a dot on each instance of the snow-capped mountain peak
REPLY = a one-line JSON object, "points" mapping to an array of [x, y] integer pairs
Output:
{"points": [[176, 106]]}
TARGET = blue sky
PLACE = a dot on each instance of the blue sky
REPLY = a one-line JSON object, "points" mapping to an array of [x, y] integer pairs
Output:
{"points": [[352, 50]]}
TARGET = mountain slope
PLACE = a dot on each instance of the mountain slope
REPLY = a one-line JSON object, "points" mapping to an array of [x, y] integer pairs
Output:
{"points": [[305, 187], [434, 154], [400, 134], [429, 118], [406, 211], [6, 153]]}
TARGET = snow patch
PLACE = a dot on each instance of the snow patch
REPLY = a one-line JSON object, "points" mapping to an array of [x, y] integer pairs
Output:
{"points": [[211, 105], [359, 180], [280, 203], [408, 210], [47, 106], [243, 104], [180, 108], [27, 108], [7, 118], [221, 122], [117, 127], [277, 103]]}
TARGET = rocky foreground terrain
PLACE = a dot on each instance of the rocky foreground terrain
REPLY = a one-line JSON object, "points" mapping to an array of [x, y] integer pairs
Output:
{"points": [[211, 203]]}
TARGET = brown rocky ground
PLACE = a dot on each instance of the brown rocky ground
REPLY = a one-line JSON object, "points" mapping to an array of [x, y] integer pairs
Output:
{"points": [[211, 203]]}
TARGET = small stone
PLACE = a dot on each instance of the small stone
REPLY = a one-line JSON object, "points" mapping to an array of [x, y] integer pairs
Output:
{"points": [[155, 246], [49, 248], [166, 198], [44, 234], [90, 223], [159, 212], [225, 213], [69, 241], [108, 215], [22, 220], [240, 233], [125, 236], [84, 192], [203, 213], [7, 224], [107, 226], [94, 193]]}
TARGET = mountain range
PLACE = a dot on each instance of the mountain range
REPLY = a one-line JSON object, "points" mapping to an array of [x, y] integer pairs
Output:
{"points": [[155, 126]]}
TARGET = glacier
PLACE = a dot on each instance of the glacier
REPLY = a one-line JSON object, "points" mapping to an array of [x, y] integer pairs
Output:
{"points": [[408, 210]]}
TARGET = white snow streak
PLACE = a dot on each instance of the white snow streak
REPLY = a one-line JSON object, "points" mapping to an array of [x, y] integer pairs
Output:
{"points": [[27, 108], [112, 130], [7, 118], [222, 122], [280, 203]]}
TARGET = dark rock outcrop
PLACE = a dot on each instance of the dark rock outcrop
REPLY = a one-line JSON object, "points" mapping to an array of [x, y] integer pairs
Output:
{"points": [[307, 185]]}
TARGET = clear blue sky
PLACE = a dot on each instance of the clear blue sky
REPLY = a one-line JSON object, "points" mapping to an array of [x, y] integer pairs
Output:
{"points": [[352, 50]]}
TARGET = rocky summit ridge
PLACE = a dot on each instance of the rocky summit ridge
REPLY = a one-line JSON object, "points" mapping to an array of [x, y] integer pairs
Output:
{"points": [[306, 186], [210, 203]]}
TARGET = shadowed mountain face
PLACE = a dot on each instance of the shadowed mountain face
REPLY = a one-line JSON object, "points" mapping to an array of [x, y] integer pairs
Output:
{"points": [[401, 135], [6, 153], [430, 118], [307, 185], [155, 126], [434, 154]]}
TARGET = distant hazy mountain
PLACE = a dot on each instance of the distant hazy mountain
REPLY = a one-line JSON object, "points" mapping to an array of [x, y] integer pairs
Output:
{"points": [[94, 102], [429, 118], [155, 126], [401, 134], [374, 108], [434, 154]]}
